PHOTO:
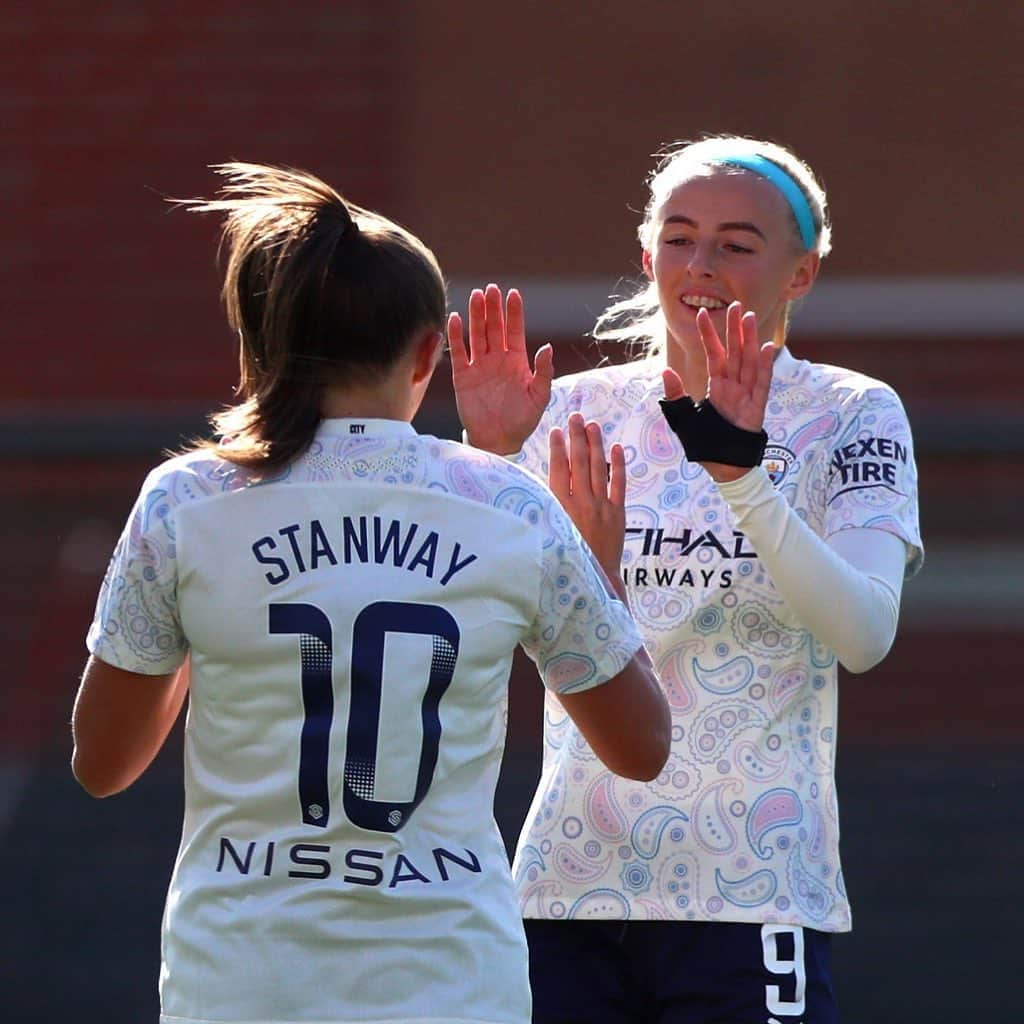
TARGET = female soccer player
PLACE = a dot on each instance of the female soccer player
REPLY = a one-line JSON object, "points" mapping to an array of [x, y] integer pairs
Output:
{"points": [[349, 594], [754, 563]]}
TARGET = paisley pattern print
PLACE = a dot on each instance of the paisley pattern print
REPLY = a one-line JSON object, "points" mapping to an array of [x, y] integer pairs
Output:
{"points": [[580, 637], [772, 810], [604, 815], [741, 824], [753, 891], [657, 824]]}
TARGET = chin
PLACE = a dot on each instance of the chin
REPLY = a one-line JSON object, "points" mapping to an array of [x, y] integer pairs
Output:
{"points": [[684, 335]]}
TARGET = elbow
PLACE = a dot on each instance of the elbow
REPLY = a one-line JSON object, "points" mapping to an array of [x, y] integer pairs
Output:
{"points": [[626, 721], [868, 635], [646, 761], [650, 769], [644, 768], [866, 655], [96, 779], [96, 788], [857, 665], [659, 749]]}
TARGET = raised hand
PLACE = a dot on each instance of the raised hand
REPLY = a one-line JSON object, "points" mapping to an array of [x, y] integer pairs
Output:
{"points": [[499, 398], [739, 377], [740, 372], [590, 489]]}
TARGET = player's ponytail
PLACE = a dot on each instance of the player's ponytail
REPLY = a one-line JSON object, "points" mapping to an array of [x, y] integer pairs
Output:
{"points": [[320, 291]]}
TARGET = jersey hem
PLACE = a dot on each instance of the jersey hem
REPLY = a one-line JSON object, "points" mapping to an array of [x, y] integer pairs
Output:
{"points": [[831, 927], [168, 1019]]}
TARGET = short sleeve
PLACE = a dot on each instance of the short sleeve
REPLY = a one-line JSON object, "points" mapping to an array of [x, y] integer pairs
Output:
{"points": [[871, 476], [136, 626], [583, 635]]}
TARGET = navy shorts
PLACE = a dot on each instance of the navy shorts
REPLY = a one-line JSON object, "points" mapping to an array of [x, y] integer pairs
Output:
{"points": [[679, 972]]}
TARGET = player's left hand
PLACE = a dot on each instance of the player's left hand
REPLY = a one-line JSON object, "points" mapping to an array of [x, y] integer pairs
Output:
{"points": [[590, 489], [740, 372], [739, 376]]}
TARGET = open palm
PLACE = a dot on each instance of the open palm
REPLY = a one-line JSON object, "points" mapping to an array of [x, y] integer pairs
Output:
{"points": [[740, 372], [739, 377], [591, 489], [500, 399]]}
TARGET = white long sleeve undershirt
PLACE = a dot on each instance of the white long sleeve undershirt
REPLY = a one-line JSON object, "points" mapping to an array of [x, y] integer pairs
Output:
{"points": [[845, 590]]}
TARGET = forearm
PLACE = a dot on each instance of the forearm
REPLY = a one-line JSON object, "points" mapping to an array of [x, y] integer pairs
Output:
{"points": [[616, 583], [851, 608]]}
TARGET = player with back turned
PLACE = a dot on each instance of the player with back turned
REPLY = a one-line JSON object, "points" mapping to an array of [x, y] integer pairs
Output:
{"points": [[771, 516], [349, 594]]}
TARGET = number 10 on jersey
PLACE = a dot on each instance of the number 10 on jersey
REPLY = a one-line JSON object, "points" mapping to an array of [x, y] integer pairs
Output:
{"points": [[365, 677]]}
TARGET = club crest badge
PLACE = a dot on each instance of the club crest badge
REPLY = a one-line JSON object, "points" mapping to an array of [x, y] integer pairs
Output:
{"points": [[777, 462]]}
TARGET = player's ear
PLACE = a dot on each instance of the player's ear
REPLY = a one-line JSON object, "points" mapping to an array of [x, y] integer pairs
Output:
{"points": [[647, 264], [429, 349], [804, 275]]}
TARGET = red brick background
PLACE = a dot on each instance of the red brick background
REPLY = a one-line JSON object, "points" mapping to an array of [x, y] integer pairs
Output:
{"points": [[514, 138]]}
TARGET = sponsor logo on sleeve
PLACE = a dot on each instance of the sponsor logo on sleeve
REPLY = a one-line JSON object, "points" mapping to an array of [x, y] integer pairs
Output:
{"points": [[867, 462]]}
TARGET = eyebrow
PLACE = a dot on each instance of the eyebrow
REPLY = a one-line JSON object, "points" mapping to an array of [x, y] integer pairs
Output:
{"points": [[729, 225]]}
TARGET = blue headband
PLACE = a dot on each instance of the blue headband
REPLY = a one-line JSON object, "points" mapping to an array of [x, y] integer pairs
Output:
{"points": [[791, 191]]}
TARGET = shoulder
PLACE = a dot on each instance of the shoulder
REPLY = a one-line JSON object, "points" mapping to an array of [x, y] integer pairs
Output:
{"points": [[837, 391], [510, 491], [844, 384], [486, 478], [191, 477]]}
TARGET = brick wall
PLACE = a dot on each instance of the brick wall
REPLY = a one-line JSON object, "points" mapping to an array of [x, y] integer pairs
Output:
{"points": [[514, 139], [110, 296]]}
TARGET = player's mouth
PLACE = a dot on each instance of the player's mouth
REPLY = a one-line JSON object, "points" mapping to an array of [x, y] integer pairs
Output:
{"points": [[697, 301]]}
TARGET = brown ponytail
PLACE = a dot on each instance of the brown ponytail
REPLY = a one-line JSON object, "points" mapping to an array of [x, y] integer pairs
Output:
{"points": [[320, 291]]}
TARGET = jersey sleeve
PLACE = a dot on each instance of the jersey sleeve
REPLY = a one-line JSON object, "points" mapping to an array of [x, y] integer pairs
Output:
{"points": [[870, 479], [136, 626], [583, 635]]}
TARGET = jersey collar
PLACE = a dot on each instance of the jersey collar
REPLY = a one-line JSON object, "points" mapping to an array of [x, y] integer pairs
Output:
{"points": [[355, 426], [786, 366]]}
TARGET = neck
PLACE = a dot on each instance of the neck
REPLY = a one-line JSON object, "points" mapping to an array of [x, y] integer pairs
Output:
{"points": [[692, 368], [375, 403]]}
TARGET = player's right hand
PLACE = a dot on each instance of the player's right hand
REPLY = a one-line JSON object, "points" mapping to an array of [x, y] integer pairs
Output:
{"points": [[499, 398]]}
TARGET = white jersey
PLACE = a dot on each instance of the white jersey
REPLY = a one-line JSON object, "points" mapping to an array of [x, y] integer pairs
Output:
{"points": [[742, 824], [351, 624]]}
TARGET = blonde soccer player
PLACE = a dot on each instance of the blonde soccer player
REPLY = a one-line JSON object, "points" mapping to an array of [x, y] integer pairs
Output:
{"points": [[771, 517]]}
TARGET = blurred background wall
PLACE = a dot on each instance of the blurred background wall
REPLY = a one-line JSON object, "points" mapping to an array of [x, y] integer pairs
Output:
{"points": [[515, 139]]}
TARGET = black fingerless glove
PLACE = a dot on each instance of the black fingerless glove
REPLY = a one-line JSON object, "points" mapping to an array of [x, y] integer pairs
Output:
{"points": [[708, 437]]}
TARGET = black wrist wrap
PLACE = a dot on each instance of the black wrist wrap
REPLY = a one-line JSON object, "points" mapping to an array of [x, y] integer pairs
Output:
{"points": [[708, 437], [680, 413]]}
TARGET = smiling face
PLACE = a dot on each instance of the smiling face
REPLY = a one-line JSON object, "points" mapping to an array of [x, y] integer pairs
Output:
{"points": [[723, 237]]}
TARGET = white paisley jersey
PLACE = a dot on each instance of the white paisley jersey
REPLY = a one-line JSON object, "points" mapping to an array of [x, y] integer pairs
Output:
{"points": [[351, 624], [742, 823]]}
